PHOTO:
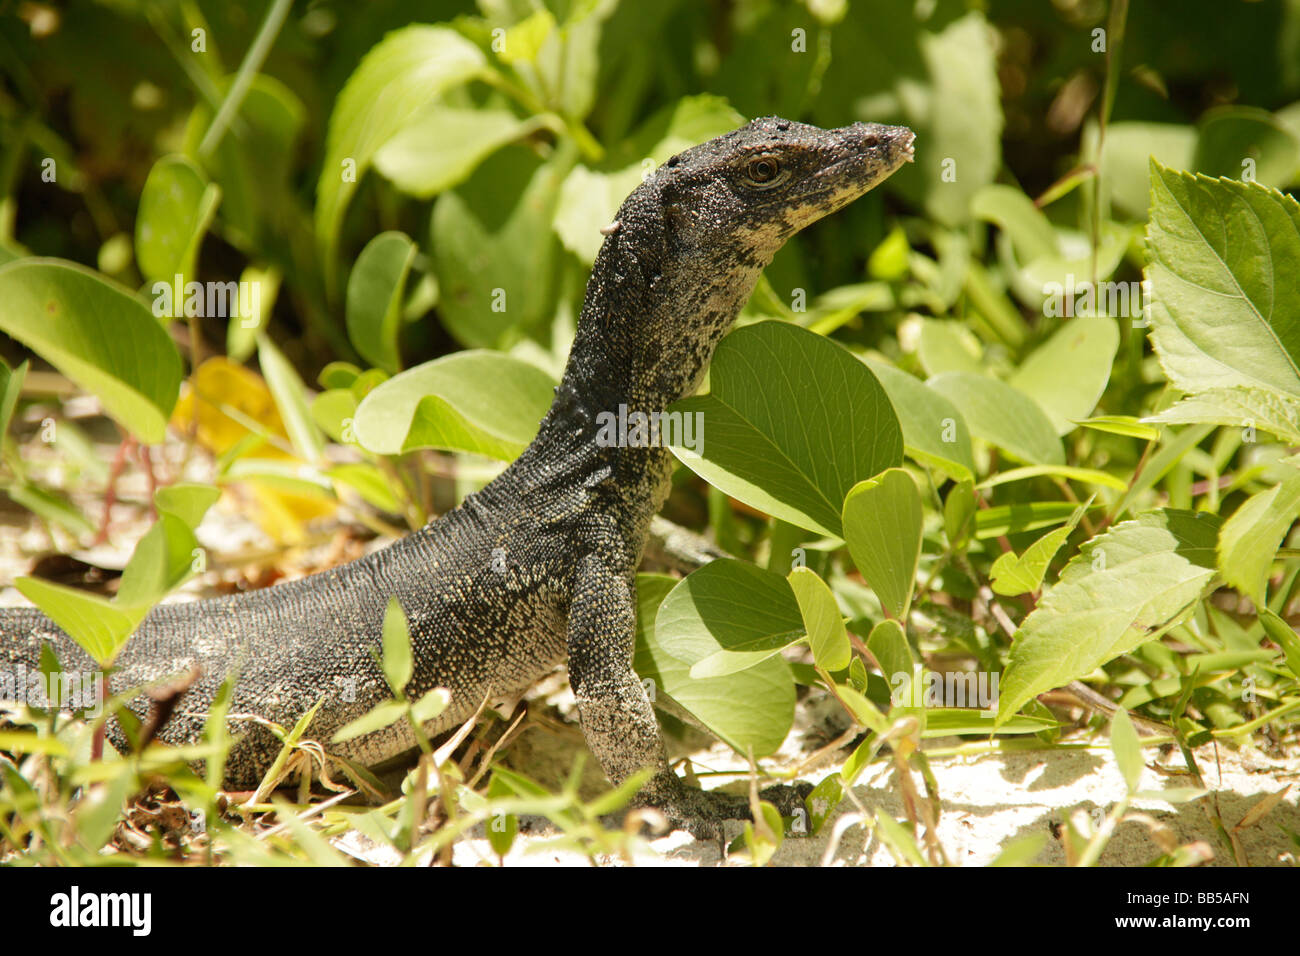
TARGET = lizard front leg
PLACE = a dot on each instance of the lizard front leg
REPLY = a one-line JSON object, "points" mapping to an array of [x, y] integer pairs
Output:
{"points": [[618, 719]]}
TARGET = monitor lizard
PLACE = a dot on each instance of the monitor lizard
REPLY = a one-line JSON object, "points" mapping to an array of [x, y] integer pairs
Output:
{"points": [[538, 567]]}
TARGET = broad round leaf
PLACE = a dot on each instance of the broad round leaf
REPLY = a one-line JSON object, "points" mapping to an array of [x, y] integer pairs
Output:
{"points": [[476, 401], [753, 709], [1067, 374], [98, 335], [793, 421]]}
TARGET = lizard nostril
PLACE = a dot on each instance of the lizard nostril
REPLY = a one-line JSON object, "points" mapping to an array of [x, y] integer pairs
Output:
{"points": [[870, 141]]}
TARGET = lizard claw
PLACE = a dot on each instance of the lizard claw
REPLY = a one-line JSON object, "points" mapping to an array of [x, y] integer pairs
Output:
{"points": [[703, 812]]}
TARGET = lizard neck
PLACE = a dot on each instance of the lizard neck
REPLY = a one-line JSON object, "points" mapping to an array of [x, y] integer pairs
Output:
{"points": [[656, 307]]}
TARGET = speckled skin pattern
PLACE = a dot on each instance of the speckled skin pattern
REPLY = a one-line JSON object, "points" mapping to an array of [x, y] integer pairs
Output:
{"points": [[567, 520]]}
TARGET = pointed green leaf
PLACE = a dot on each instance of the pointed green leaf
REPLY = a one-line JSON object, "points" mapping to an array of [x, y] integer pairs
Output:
{"points": [[397, 661], [1124, 588], [821, 617], [374, 300], [882, 525]]}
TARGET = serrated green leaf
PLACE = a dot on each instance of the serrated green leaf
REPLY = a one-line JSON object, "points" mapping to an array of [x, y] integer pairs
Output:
{"points": [[1224, 303], [1124, 588]]}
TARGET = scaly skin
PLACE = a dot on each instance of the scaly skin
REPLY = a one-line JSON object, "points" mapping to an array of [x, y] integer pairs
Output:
{"points": [[540, 565]]}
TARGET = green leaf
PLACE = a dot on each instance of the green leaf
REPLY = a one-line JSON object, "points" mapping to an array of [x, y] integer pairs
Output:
{"points": [[1002, 416], [432, 704], [1124, 588], [476, 400], [793, 421], [1125, 425], [98, 810], [254, 166], [1231, 134], [384, 715], [1025, 516], [888, 645], [1259, 408], [1012, 575], [1224, 304], [290, 396], [1250, 538], [1086, 475], [442, 147], [728, 616], [395, 81], [753, 709], [162, 559], [948, 346], [1015, 214], [96, 624], [936, 72], [882, 525], [1126, 155], [11, 388], [1285, 636], [374, 300], [397, 661], [493, 249], [176, 208], [369, 482], [501, 827], [188, 501], [1021, 851], [96, 334], [822, 621], [1127, 749], [1067, 374], [934, 431]]}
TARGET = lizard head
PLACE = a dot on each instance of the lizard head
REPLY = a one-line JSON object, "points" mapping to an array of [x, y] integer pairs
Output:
{"points": [[748, 191]]}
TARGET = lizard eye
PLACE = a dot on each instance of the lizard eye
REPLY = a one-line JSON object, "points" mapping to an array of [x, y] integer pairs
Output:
{"points": [[763, 171]]}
